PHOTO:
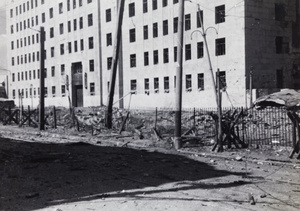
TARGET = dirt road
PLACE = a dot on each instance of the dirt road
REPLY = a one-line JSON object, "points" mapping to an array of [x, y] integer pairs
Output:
{"points": [[63, 171]]}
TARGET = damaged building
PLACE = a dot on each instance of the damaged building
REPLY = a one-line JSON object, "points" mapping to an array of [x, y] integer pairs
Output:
{"points": [[255, 44]]}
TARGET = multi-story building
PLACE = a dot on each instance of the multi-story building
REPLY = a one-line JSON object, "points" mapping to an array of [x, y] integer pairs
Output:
{"points": [[253, 43]]}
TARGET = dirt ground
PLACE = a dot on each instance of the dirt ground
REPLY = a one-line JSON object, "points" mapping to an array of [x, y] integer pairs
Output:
{"points": [[65, 170]]}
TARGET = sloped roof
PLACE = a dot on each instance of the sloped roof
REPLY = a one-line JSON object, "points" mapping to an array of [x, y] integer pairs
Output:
{"points": [[287, 97]]}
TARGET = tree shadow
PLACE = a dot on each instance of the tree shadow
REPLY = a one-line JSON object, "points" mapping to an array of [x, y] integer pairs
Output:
{"points": [[35, 175]]}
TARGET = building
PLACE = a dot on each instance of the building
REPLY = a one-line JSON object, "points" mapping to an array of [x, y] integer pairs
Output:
{"points": [[253, 43]]}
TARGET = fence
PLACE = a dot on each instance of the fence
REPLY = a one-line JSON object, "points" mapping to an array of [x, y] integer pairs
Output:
{"points": [[269, 126]]}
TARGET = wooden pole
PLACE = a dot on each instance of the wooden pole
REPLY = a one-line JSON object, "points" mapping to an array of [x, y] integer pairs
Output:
{"points": [[220, 134], [178, 98], [42, 80], [114, 64]]}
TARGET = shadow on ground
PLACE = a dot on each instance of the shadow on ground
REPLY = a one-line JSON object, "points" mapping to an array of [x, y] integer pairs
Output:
{"points": [[36, 175]]}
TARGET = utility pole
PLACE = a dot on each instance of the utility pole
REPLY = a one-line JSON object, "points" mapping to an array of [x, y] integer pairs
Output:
{"points": [[178, 100], [114, 64], [208, 55], [42, 80], [220, 134]]}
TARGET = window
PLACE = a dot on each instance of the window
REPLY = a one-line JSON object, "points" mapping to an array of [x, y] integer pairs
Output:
{"points": [[108, 39], [36, 20], [12, 45], [133, 86], [279, 12], [42, 1], [18, 76], [11, 29], [51, 32], [156, 85], [222, 75], [89, 1], [52, 51], [12, 61], [69, 26], [187, 22], [74, 4], [220, 47], [68, 5], [53, 91], [131, 10], [145, 6], [200, 51], [165, 3], [132, 35], [166, 85], [147, 86], [279, 78], [90, 19], [109, 62], [145, 32], [199, 15], [92, 65], [166, 55], [70, 47], [32, 21], [51, 13], [53, 71], [132, 60], [13, 77], [28, 40], [154, 4], [60, 8], [62, 49], [61, 28], [175, 25], [282, 45], [155, 57], [175, 54], [188, 83], [92, 88], [75, 46], [62, 69], [108, 15], [34, 74], [75, 24], [80, 3], [188, 52], [200, 81], [43, 18], [81, 22], [165, 27], [11, 13], [63, 90], [220, 14], [146, 58], [81, 45], [45, 72], [155, 30], [38, 56], [91, 42]]}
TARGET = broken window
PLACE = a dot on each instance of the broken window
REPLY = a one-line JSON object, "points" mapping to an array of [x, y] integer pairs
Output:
{"points": [[188, 83], [133, 86], [166, 85], [220, 47], [200, 81], [132, 60], [220, 14], [156, 85], [200, 51], [147, 86]]}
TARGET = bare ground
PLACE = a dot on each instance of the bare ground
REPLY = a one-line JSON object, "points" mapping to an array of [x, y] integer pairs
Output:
{"points": [[65, 170]]}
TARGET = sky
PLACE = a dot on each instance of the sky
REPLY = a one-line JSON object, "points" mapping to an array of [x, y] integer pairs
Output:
{"points": [[3, 58]]}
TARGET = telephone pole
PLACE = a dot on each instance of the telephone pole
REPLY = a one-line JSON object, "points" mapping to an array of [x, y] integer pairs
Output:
{"points": [[115, 58], [178, 100], [42, 80]]}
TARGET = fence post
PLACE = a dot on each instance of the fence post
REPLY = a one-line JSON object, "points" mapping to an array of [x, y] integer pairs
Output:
{"points": [[155, 118]]}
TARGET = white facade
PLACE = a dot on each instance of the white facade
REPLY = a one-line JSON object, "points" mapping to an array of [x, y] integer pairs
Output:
{"points": [[147, 64]]}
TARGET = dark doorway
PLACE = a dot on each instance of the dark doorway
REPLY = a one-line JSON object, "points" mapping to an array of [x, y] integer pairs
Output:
{"points": [[77, 85]]}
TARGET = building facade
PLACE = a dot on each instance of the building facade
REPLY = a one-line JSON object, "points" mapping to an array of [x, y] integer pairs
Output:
{"points": [[253, 43]]}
